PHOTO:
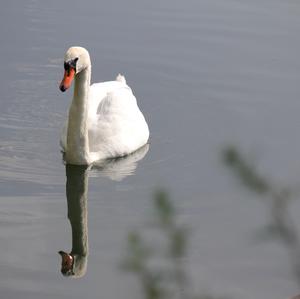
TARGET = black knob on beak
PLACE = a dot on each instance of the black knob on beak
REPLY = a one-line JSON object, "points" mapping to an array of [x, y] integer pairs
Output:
{"points": [[62, 88]]}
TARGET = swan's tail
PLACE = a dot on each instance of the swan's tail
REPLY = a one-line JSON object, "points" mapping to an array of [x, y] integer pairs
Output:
{"points": [[121, 78]]}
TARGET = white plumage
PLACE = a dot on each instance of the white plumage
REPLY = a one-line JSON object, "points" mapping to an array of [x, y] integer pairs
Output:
{"points": [[104, 119]]}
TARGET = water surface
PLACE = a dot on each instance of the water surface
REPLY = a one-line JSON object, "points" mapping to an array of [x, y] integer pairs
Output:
{"points": [[206, 74]]}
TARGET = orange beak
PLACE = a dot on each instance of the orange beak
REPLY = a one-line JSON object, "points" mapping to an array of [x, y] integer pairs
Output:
{"points": [[67, 80]]}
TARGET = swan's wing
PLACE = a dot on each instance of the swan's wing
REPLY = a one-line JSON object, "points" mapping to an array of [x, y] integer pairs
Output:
{"points": [[98, 92], [119, 126]]}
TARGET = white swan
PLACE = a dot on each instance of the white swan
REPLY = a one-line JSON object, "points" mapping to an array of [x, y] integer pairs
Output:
{"points": [[104, 120]]}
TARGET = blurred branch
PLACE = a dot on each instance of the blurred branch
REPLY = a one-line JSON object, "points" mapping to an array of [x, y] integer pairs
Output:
{"points": [[281, 225], [245, 171], [161, 273]]}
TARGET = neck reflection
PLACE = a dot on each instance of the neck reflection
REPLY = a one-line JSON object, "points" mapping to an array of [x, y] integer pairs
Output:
{"points": [[74, 263]]}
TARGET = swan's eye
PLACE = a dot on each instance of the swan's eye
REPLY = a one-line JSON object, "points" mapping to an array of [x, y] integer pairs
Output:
{"points": [[70, 64], [66, 66]]}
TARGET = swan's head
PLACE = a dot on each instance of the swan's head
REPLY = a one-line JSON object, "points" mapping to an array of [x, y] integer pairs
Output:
{"points": [[76, 60], [73, 265]]}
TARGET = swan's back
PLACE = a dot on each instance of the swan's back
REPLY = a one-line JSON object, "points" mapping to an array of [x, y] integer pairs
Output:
{"points": [[116, 125]]}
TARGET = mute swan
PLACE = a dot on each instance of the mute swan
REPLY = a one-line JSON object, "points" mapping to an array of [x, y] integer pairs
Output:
{"points": [[104, 120]]}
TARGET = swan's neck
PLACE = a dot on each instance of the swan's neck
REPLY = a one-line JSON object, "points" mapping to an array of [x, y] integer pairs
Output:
{"points": [[77, 151]]}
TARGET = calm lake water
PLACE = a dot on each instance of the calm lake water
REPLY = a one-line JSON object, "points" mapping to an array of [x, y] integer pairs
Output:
{"points": [[207, 73]]}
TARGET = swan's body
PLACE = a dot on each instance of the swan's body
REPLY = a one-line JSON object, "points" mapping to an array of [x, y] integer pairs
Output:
{"points": [[104, 119]]}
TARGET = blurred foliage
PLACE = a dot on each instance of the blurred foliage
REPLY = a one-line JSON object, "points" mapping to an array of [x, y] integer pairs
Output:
{"points": [[159, 264], [281, 226], [245, 171]]}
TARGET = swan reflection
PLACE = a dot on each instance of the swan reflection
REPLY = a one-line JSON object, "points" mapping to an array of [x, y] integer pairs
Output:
{"points": [[74, 263]]}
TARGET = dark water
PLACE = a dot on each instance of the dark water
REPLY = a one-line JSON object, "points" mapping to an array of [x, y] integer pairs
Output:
{"points": [[206, 73]]}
